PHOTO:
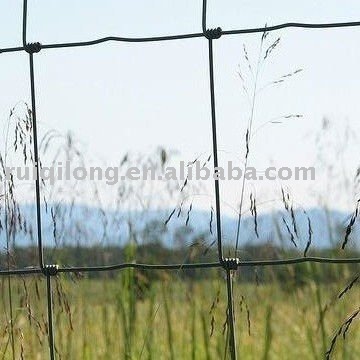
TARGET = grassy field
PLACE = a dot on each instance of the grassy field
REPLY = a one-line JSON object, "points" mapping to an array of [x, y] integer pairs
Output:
{"points": [[129, 316]]}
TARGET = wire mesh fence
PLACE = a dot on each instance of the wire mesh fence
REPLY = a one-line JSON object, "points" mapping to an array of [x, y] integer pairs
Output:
{"points": [[227, 264]]}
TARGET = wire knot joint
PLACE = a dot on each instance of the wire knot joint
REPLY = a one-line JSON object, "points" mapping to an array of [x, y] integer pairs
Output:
{"points": [[51, 270], [213, 33], [32, 48], [230, 263]]}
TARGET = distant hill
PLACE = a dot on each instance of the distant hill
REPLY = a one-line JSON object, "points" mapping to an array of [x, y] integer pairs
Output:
{"points": [[87, 226]]}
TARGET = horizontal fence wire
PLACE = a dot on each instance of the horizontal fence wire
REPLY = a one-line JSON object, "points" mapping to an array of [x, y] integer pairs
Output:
{"points": [[187, 36], [228, 264], [138, 266]]}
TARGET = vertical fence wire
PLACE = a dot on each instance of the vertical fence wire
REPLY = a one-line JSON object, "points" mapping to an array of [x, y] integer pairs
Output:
{"points": [[228, 265], [50, 316], [210, 35], [215, 150], [24, 23], [231, 314], [30, 50], [36, 163]]}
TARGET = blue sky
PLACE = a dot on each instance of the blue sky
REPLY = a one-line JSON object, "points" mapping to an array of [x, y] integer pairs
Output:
{"points": [[117, 97]]}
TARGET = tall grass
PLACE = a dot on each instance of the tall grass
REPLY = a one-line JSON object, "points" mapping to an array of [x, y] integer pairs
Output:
{"points": [[284, 322]]}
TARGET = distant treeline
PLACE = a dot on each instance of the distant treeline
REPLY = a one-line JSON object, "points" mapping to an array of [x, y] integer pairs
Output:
{"points": [[158, 254]]}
